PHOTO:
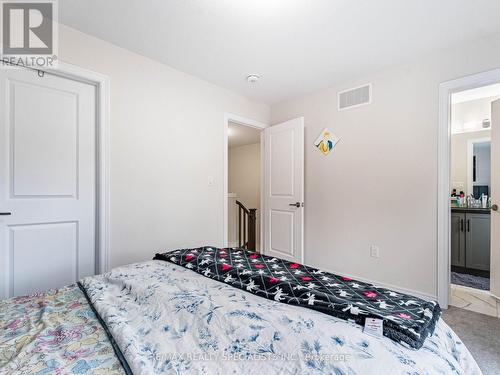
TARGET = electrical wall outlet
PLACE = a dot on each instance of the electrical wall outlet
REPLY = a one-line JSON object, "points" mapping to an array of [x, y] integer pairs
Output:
{"points": [[374, 251], [211, 181]]}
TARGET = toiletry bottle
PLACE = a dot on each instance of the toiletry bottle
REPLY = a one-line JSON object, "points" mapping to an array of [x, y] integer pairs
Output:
{"points": [[484, 201]]}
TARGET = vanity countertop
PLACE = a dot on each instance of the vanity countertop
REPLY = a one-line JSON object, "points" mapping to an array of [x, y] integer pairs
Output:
{"points": [[479, 210]]}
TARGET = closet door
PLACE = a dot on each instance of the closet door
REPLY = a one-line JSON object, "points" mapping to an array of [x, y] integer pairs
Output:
{"points": [[47, 181]]}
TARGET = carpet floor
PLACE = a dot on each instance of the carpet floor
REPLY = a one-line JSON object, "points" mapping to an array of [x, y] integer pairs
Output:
{"points": [[471, 281], [480, 333]]}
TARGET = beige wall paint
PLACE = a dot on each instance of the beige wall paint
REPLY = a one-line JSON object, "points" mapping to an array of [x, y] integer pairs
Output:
{"points": [[244, 177], [472, 112], [380, 184], [167, 130], [459, 158]]}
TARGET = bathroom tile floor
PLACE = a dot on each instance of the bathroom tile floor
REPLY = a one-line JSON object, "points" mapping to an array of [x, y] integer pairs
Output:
{"points": [[480, 301]]}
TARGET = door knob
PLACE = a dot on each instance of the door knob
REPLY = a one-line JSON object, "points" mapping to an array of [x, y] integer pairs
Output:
{"points": [[296, 204], [5, 213], [494, 207]]}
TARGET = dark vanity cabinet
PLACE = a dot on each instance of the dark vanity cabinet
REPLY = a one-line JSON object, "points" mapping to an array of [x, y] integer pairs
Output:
{"points": [[470, 238], [457, 239]]}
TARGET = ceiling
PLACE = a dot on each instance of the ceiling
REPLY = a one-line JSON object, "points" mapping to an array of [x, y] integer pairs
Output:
{"points": [[240, 135], [296, 46]]}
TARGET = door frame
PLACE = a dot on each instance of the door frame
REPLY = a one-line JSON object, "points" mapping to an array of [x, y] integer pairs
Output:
{"points": [[103, 95], [240, 120], [446, 89]]}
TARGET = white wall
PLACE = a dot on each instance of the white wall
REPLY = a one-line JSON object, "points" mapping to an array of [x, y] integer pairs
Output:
{"points": [[380, 184], [470, 113], [166, 140], [458, 153], [244, 177]]}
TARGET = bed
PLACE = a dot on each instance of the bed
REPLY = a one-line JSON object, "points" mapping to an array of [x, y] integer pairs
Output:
{"points": [[158, 317]]}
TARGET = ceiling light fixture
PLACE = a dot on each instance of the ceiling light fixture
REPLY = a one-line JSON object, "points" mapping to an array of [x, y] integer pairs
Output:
{"points": [[253, 78]]}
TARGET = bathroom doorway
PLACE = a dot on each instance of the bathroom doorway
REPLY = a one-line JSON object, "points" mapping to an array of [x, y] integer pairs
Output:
{"points": [[471, 206], [470, 203]]}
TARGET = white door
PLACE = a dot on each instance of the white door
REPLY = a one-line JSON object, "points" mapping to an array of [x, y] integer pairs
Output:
{"points": [[284, 190], [47, 181], [495, 194]]}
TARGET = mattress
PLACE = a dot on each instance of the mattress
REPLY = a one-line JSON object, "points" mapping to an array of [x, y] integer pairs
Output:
{"points": [[156, 317]]}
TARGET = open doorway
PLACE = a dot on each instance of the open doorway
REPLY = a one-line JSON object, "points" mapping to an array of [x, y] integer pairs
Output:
{"points": [[470, 198], [467, 238], [244, 186], [279, 228], [243, 183]]}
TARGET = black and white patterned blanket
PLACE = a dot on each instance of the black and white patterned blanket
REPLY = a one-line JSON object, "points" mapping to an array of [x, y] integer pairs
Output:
{"points": [[406, 319]]}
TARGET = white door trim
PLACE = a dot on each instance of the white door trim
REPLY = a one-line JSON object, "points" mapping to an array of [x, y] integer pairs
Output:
{"points": [[444, 138], [102, 84], [230, 117]]}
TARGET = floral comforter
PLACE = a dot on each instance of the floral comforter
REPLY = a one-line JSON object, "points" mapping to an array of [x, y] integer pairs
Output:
{"points": [[54, 333], [167, 319]]}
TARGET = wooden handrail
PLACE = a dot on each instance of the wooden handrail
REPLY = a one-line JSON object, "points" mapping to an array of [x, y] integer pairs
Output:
{"points": [[248, 227], [242, 206]]}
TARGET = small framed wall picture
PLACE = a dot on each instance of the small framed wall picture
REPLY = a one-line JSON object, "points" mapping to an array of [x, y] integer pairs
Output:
{"points": [[326, 141]]}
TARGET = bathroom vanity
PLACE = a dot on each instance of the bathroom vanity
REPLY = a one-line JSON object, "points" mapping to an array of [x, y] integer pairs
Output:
{"points": [[470, 239]]}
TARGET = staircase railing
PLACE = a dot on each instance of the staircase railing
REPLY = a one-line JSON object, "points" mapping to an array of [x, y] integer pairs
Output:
{"points": [[246, 226]]}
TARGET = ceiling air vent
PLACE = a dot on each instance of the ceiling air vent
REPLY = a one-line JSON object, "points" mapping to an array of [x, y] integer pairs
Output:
{"points": [[355, 97]]}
